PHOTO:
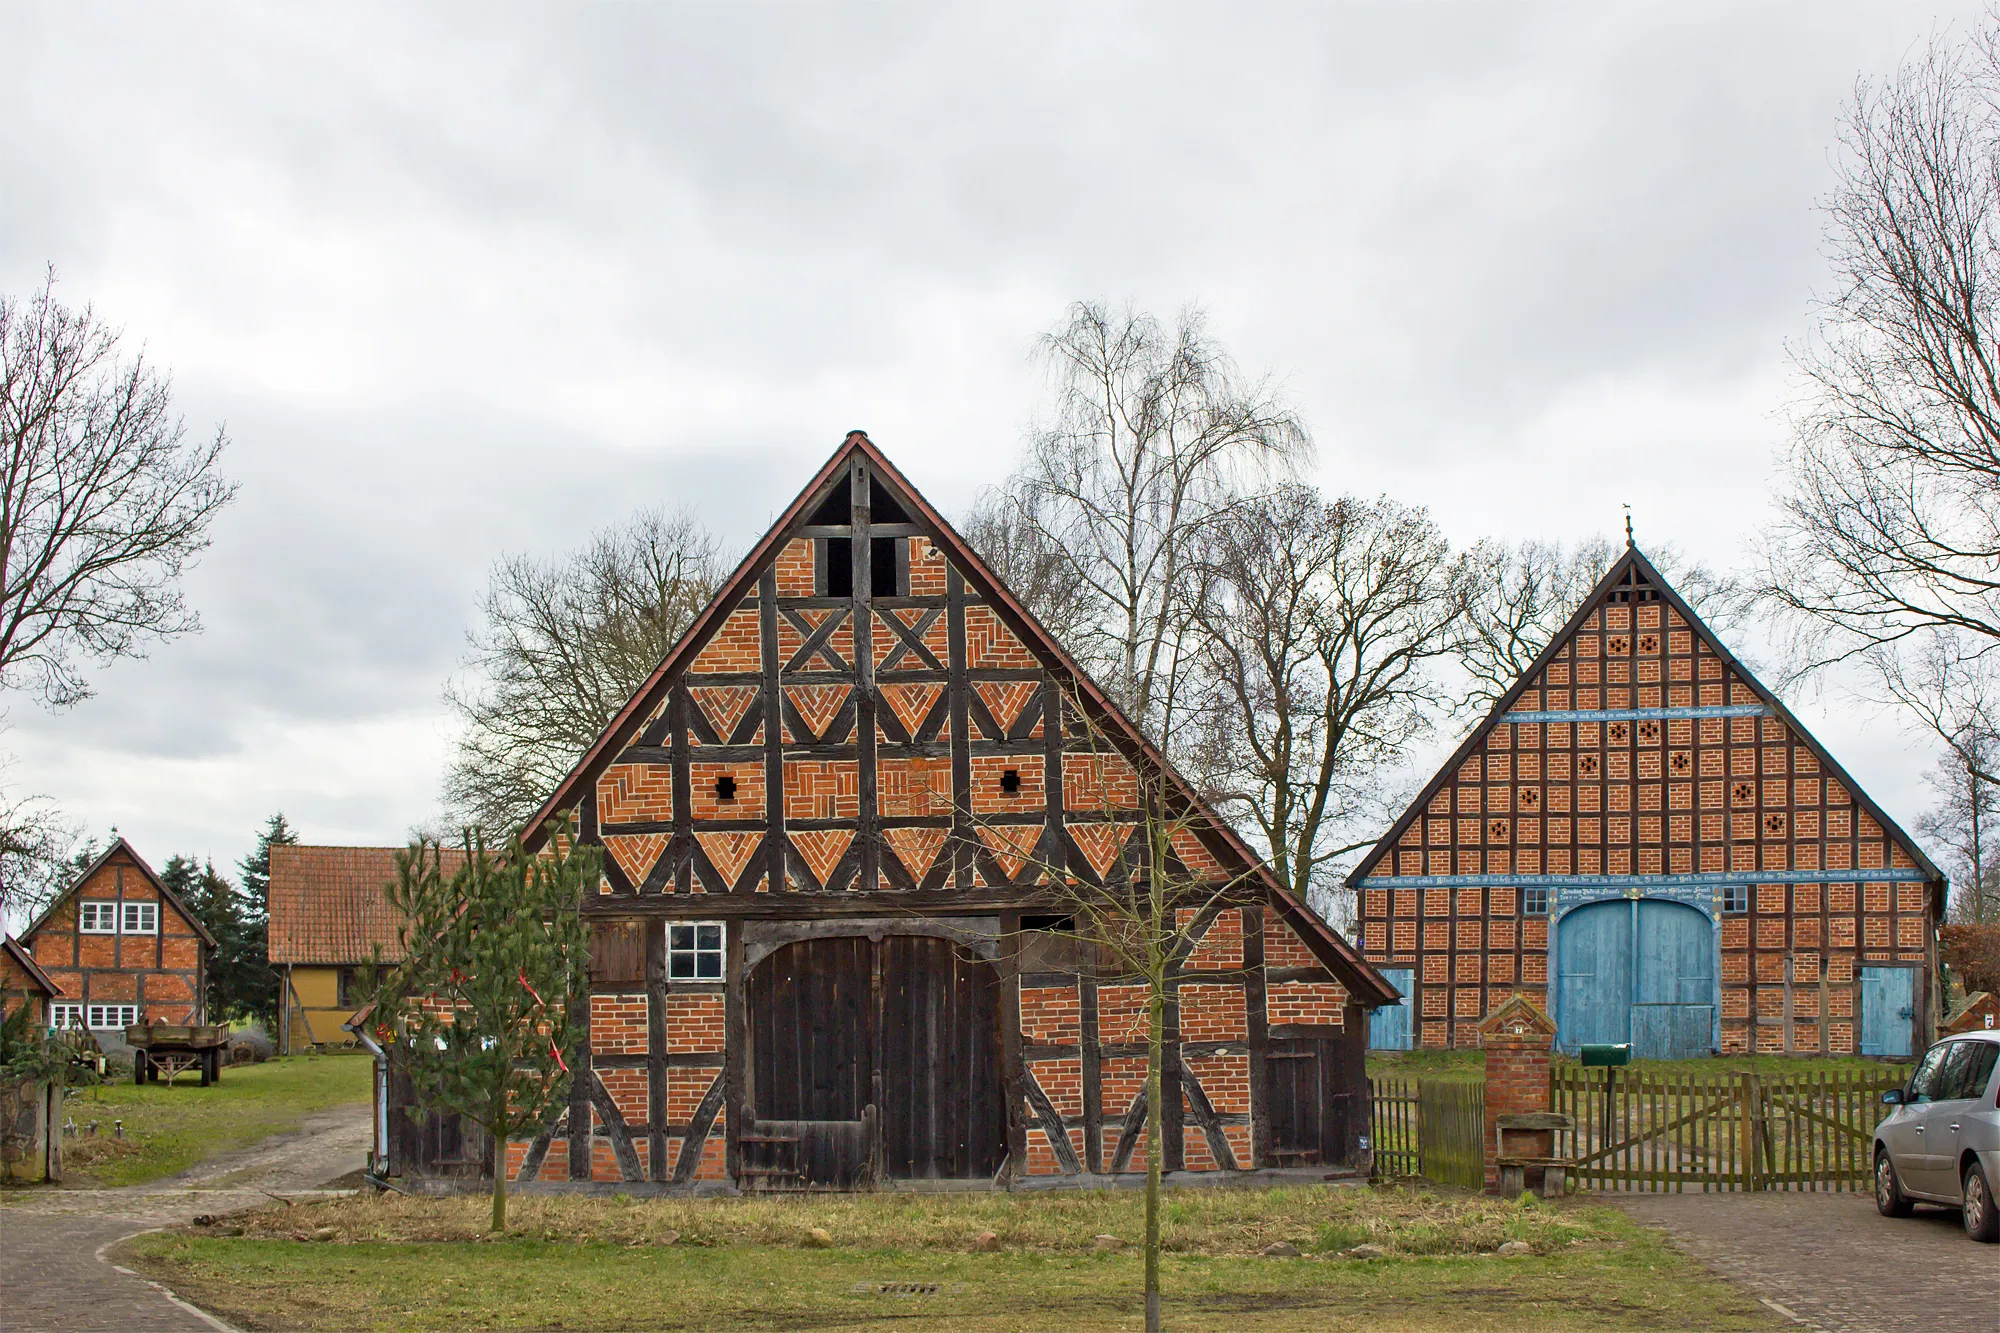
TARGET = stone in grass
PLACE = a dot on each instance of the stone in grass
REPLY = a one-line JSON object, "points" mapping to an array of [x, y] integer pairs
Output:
{"points": [[324, 1233], [988, 1241], [1280, 1250], [818, 1238], [1367, 1252], [1107, 1242], [1517, 1247]]}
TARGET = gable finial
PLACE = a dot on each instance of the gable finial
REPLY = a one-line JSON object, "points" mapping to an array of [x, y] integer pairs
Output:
{"points": [[1628, 527]]}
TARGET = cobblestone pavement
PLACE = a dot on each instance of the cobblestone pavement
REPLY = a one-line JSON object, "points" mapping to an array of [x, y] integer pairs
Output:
{"points": [[1833, 1262], [52, 1279]]}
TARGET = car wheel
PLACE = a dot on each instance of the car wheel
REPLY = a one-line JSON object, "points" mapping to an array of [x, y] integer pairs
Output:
{"points": [[1890, 1201], [1982, 1217]]}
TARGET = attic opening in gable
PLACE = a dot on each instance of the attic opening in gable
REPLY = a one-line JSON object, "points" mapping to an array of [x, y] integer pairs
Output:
{"points": [[1634, 587], [888, 572]]}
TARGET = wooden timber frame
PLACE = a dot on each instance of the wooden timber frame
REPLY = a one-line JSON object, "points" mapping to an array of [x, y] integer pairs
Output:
{"points": [[823, 952]]}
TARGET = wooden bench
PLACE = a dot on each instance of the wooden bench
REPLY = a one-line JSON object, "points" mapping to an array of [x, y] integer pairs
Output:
{"points": [[1514, 1166]]}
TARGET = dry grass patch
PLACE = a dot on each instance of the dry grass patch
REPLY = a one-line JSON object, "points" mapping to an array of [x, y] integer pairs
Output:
{"points": [[1316, 1219]]}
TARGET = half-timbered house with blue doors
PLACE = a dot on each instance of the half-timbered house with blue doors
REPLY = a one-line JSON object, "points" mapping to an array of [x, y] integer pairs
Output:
{"points": [[1643, 837], [825, 953]]}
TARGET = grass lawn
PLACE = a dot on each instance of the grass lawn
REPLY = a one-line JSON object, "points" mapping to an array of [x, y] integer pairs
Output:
{"points": [[1470, 1066], [915, 1262], [168, 1129]]}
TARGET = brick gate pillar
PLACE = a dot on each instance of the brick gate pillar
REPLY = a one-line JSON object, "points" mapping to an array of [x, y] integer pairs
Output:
{"points": [[1518, 1037]]}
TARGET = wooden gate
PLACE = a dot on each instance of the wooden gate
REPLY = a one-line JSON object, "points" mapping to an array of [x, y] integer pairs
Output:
{"points": [[1451, 1133], [1393, 1127], [1709, 1132], [872, 1059]]}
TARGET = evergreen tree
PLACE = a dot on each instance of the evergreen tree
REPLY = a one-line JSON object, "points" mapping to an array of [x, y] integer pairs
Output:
{"points": [[260, 984], [240, 980]]}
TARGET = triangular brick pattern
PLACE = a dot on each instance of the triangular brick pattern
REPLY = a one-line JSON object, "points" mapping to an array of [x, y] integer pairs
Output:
{"points": [[916, 848], [1101, 844], [911, 704], [729, 852], [1012, 845], [1638, 757], [636, 853], [723, 706], [817, 705], [989, 643], [821, 849], [735, 646], [1195, 855], [1005, 699]]}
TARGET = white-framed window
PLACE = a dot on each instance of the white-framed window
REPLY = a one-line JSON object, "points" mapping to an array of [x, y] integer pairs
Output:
{"points": [[95, 916], [141, 919], [113, 1016], [694, 951], [65, 1014]]}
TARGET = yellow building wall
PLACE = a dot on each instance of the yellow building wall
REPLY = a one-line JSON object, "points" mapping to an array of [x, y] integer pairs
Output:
{"points": [[316, 1012]]}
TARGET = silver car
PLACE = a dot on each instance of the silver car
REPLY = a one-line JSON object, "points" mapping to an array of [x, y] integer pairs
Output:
{"points": [[1941, 1142]]}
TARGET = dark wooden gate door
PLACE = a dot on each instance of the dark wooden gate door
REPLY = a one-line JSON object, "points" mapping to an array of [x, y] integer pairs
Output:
{"points": [[871, 1058], [1317, 1102], [943, 1115]]}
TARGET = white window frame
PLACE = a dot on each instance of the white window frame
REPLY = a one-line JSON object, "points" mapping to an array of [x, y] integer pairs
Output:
{"points": [[97, 916], [124, 1014], [145, 911], [66, 1015], [696, 953]]}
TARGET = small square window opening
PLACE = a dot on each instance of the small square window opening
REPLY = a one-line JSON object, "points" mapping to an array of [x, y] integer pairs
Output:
{"points": [[1736, 898], [725, 788], [694, 951], [1535, 902], [1010, 781]]}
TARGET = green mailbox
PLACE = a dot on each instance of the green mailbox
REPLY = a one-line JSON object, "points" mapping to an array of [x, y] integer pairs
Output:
{"points": [[1604, 1053]]}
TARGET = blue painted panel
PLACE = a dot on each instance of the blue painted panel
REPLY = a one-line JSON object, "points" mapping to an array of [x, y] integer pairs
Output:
{"points": [[1888, 1010], [1674, 986], [1389, 1026], [1594, 975]]}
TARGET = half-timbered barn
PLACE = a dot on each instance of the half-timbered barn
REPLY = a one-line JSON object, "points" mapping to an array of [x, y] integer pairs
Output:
{"points": [[1642, 836], [122, 948], [23, 984], [825, 952]]}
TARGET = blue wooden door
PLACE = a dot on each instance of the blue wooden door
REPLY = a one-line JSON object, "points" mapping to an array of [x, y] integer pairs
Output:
{"points": [[1594, 975], [1389, 1027], [1673, 996], [1888, 1010]]}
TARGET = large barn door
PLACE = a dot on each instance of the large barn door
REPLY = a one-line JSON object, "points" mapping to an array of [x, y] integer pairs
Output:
{"points": [[871, 1058], [1638, 971], [943, 1115], [811, 1012]]}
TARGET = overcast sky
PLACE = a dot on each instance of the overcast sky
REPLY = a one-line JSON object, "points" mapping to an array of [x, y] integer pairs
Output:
{"points": [[462, 280]]}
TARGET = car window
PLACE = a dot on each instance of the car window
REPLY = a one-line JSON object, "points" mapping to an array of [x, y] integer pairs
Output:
{"points": [[1973, 1064], [1951, 1077], [1924, 1083]]}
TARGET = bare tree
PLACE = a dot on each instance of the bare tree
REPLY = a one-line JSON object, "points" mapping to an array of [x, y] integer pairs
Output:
{"points": [[562, 646], [1891, 529], [1137, 922], [104, 502], [37, 851], [1966, 824], [1323, 621], [1153, 437], [1007, 531], [1521, 594]]}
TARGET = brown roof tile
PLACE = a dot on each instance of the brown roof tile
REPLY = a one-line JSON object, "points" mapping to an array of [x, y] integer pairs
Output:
{"points": [[331, 904]]}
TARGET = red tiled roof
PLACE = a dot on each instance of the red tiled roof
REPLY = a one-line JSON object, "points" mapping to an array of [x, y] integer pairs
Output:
{"points": [[331, 904]]}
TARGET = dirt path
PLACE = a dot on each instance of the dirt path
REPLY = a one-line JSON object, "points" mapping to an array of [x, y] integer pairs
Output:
{"points": [[53, 1278], [1833, 1263]]}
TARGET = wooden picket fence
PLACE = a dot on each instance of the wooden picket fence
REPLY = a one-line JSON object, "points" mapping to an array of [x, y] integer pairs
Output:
{"points": [[1720, 1132], [1432, 1128]]}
